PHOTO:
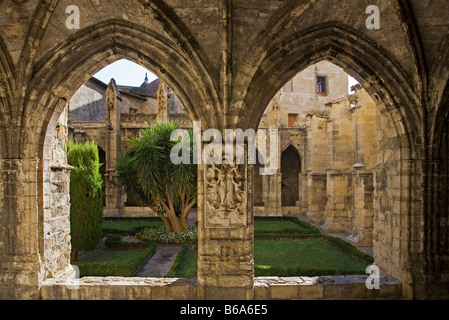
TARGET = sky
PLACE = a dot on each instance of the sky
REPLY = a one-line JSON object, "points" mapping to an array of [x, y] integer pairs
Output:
{"points": [[127, 73]]}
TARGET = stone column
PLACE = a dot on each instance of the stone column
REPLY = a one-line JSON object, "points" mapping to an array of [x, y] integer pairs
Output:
{"points": [[316, 162], [113, 192], [362, 233], [365, 153], [19, 248], [339, 170], [225, 231], [317, 198], [339, 196], [273, 205]]}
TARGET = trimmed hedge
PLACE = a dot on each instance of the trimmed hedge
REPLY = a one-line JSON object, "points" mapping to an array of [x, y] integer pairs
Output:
{"points": [[261, 271], [178, 261], [86, 196]]}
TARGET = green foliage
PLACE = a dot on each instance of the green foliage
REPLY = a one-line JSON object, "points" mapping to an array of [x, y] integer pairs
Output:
{"points": [[178, 261], [129, 226], [186, 263], [161, 236], [146, 169], [86, 195], [291, 248]]}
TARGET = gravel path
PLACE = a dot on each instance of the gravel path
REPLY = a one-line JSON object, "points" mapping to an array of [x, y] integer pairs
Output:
{"points": [[161, 261]]}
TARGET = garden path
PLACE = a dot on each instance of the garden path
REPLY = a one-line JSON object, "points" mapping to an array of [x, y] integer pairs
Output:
{"points": [[161, 261]]}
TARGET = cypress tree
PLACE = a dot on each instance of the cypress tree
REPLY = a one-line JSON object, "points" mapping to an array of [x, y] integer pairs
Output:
{"points": [[86, 196]]}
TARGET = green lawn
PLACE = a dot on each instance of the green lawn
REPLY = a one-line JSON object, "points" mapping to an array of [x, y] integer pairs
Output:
{"points": [[290, 258], [305, 257], [289, 247], [101, 262], [283, 247]]}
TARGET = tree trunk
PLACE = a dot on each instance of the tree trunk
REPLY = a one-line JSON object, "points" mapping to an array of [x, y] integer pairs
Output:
{"points": [[176, 224], [184, 223]]}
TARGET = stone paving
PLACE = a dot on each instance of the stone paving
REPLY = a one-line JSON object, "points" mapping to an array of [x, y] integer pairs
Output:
{"points": [[160, 263]]}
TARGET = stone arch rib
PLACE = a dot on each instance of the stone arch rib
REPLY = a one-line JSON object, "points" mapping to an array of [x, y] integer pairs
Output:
{"points": [[72, 62], [7, 84]]}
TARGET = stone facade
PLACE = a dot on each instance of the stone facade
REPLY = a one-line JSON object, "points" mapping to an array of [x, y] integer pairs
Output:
{"points": [[226, 60]]}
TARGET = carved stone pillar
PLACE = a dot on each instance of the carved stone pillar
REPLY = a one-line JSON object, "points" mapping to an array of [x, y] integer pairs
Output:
{"points": [[225, 231], [162, 103]]}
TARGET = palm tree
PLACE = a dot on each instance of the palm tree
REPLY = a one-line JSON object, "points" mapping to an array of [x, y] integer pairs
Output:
{"points": [[149, 177]]}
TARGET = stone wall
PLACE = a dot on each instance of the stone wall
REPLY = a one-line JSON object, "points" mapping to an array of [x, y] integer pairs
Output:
{"points": [[55, 225], [265, 288]]}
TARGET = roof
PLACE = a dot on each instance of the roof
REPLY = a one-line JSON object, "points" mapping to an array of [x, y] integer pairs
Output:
{"points": [[145, 90]]}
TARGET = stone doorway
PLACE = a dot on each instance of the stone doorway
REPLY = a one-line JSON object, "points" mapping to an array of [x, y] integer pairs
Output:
{"points": [[290, 169]]}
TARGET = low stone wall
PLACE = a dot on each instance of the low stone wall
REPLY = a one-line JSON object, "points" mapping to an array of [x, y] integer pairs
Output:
{"points": [[265, 288]]}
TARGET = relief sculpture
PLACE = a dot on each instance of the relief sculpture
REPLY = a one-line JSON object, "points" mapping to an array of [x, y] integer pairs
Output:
{"points": [[226, 195]]}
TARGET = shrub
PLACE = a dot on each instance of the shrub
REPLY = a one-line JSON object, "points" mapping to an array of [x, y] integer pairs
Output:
{"points": [[161, 236], [86, 196]]}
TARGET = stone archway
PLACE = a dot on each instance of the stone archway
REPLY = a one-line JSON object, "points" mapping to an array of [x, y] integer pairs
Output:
{"points": [[397, 102], [64, 70]]}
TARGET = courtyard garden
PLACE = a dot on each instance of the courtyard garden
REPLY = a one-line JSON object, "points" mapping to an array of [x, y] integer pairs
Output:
{"points": [[283, 246]]}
